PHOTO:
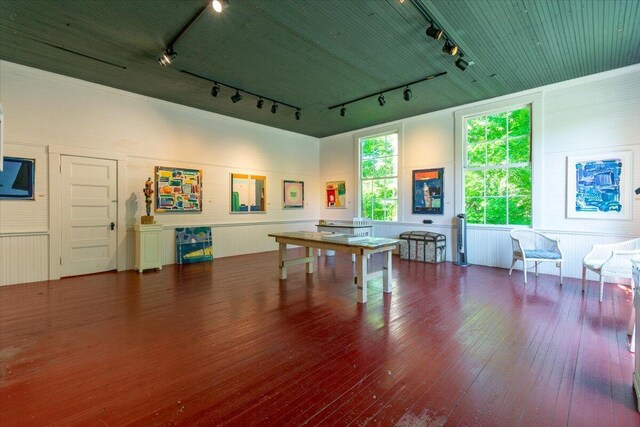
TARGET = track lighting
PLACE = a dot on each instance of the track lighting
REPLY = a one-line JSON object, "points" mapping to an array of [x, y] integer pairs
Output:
{"points": [[343, 111], [298, 114], [462, 64], [215, 90], [237, 97], [260, 103], [449, 48], [381, 100], [274, 108], [434, 32], [167, 57], [407, 94], [219, 5]]}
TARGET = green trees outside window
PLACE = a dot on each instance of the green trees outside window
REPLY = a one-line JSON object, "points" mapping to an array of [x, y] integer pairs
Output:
{"points": [[379, 177], [497, 175]]}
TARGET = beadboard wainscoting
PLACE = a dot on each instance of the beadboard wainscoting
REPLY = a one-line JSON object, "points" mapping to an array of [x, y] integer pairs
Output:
{"points": [[25, 257]]}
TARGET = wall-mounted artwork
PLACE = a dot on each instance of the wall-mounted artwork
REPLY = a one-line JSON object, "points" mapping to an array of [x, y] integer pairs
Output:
{"points": [[428, 191], [248, 193], [178, 189], [17, 178], [599, 186], [193, 244], [336, 195], [293, 194]]}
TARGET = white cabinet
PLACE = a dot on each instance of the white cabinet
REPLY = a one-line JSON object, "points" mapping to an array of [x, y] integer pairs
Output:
{"points": [[148, 246], [636, 342]]}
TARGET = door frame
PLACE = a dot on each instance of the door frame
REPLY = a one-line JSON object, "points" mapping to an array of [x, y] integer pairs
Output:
{"points": [[55, 202]]}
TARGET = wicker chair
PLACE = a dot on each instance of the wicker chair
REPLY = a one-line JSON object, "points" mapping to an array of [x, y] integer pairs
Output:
{"points": [[612, 260], [532, 246]]}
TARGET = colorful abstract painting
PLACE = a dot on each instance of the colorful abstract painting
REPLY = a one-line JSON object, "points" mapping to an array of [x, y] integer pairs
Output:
{"points": [[598, 186], [178, 189], [194, 244], [293, 192], [428, 194], [248, 193], [336, 195]]}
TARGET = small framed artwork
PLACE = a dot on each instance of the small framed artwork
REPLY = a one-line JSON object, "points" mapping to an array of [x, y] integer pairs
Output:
{"points": [[599, 186], [17, 179], [428, 191], [293, 193], [248, 193], [336, 195], [178, 189]]}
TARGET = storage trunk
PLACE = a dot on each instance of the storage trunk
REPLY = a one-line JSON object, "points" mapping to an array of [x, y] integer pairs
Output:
{"points": [[422, 246]]}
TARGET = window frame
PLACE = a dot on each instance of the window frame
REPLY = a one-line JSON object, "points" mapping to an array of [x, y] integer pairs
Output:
{"points": [[382, 131], [534, 102]]}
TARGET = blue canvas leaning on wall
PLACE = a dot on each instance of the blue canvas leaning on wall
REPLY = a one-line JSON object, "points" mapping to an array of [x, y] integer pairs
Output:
{"points": [[194, 244]]}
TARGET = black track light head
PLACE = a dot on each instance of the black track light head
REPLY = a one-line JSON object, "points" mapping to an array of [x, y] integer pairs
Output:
{"points": [[406, 94], [298, 114], [237, 97], [167, 57], [462, 64], [434, 32], [215, 90], [260, 103], [219, 5], [450, 48], [343, 111], [381, 100], [274, 108]]}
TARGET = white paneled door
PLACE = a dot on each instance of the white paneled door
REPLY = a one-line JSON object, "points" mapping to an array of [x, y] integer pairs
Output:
{"points": [[89, 214]]}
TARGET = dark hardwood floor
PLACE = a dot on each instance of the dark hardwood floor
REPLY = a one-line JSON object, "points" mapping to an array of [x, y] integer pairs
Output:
{"points": [[226, 343]]}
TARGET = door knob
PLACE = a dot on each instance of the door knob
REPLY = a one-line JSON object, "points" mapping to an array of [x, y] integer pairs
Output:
{"points": [[113, 225]]}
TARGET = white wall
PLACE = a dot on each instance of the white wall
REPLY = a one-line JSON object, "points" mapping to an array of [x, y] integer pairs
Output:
{"points": [[592, 114], [44, 110]]}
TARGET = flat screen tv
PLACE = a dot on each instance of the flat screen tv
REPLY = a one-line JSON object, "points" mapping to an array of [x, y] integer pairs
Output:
{"points": [[17, 178]]}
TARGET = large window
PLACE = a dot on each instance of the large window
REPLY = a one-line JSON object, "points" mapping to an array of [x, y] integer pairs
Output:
{"points": [[379, 177], [497, 173]]}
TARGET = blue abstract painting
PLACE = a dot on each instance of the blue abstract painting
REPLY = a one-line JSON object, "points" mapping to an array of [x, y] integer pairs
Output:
{"points": [[194, 244], [598, 185]]}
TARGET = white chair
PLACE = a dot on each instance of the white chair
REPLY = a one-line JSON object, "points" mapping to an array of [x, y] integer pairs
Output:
{"points": [[611, 260], [532, 246]]}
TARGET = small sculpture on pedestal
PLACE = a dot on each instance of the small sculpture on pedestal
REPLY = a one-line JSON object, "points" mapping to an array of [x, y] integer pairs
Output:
{"points": [[148, 191]]}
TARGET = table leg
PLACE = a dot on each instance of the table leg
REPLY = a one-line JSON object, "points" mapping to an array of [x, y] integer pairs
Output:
{"points": [[361, 277], [387, 272], [310, 262], [281, 258]]}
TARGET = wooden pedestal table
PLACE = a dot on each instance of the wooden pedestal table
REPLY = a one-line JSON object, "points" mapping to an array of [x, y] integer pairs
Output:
{"points": [[360, 246]]}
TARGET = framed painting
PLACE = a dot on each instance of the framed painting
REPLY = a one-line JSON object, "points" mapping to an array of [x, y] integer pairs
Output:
{"points": [[193, 244], [178, 189], [599, 186], [293, 194], [428, 191], [336, 195], [17, 178], [248, 193]]}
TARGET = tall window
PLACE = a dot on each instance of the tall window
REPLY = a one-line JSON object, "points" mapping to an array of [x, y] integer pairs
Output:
{"points": [[497, 174], [379, 177]]}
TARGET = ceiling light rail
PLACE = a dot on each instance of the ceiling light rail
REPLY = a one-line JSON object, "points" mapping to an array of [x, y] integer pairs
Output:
{"points": [[406, 93]]}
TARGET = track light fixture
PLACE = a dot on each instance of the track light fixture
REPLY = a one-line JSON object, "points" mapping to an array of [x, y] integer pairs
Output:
{"points": [[167, 57], [274, 108], [435, 33], [462, 64], [215, 90], [237, 97], [343, 111], [450, 48], [298, 114], [219, 5], [381, 100], [260, 103], [406, 94]]}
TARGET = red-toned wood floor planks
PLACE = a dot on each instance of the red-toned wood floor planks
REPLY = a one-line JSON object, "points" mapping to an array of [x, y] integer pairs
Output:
{"points": [[227, 343]]}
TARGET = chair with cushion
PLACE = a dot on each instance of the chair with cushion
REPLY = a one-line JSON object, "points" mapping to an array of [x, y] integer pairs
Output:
{"points": [[532, 246], [611, 260]]}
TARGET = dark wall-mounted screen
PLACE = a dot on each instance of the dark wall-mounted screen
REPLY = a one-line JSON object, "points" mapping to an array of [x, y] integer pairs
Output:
{"points": [[17, 178]]}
